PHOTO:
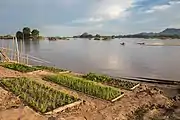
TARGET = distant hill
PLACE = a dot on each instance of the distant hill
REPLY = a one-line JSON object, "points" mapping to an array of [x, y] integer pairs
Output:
{"points": [[170, 31], [166, 32], [146, 34]]}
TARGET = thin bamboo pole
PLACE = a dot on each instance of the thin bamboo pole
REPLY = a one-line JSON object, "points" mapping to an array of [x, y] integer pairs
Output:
{"points": [[20, 53], [23, 50], [8, 52], [25, 57], [2, 49], [17, 50], [30, 56], [14, 49]]}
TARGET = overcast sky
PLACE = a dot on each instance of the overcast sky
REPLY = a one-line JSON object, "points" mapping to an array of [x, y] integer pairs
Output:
{"points": [[72, 17]]}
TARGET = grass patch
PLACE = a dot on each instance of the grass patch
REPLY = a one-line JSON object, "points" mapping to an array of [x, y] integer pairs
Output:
{"points": [[110, 81], [88, 87], [19, 67], [40, 97], [50, 69]]}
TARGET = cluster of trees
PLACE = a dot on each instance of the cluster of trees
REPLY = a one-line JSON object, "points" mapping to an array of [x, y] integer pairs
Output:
{"points": [[27, 34], [86, 35], [96, 37], [169, 33]]}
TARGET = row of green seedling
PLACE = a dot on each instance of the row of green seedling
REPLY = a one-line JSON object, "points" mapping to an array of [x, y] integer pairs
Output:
{"points": [[25, 68], [19, 67], [38, 96], [88, 87], [50, 69], [104, 79]]}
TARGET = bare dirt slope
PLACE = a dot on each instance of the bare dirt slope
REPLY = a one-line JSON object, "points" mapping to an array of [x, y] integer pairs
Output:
{"points": [[120, 110], [8, 100], [9, 73]]}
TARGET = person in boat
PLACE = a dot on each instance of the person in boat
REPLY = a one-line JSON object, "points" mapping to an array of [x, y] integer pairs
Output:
{"points": [[122, 43], [141, 43]]}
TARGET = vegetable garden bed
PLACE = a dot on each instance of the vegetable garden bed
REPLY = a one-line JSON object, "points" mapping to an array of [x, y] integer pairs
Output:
{"points": [[88, 87], [111, 81], [19, 67], [51, 69], [40, 97]]}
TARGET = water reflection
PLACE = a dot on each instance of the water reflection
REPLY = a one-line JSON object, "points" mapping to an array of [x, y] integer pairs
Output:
{"points": [[35, 45], [110, 57], [27, 46]]}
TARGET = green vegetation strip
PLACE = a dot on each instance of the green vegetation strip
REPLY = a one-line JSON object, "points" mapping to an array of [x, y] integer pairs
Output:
{"points": [[24, 68], [110, 81], [85, 86], [38, 96], [51, 69], [19, 67]]}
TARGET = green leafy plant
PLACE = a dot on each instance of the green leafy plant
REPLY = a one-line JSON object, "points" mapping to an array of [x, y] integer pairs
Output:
{"points": [[19, 67], [38, 96], [88, 87], [97, 78], [51, 69], [109, 81]]}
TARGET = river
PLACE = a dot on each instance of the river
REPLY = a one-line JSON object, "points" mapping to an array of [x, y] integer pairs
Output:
{"points": [[109, 57]]}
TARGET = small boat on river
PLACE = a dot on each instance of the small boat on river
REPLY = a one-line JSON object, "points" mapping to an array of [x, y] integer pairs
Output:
{"points": [[141, 43], [122, 43]]}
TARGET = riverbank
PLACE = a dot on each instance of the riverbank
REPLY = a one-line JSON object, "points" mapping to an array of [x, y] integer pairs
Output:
{"points": [[128, 107], [6, 37]]}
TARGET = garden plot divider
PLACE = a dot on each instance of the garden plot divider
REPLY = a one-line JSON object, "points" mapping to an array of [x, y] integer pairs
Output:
{"points": [[90, 88], [135, 86], [40, 97]]}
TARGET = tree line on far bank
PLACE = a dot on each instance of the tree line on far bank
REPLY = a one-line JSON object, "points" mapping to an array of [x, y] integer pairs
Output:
{"points": [[166, 34], [27, 34]]}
